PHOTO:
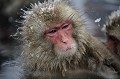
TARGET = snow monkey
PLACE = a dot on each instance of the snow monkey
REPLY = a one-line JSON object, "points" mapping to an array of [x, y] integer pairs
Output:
{"points": [[56, 43], [112, 29]]}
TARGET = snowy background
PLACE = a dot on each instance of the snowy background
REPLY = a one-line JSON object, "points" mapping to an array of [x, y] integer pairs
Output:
{"points": [[96, 12]]}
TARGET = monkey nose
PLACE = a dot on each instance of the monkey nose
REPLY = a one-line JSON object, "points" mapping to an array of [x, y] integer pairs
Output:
{"points": [[64, 40]]}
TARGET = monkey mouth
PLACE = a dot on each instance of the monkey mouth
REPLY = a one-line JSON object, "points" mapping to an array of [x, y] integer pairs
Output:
{"points": [[66, 52], [68, 48], [71, 49]]}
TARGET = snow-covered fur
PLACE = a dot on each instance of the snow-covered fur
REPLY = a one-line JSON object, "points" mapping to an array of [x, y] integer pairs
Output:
{"points": [[38, 52]]}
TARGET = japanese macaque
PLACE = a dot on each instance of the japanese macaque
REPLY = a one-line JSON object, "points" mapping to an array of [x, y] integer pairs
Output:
{"points": [[56, 43], [112, 29]]}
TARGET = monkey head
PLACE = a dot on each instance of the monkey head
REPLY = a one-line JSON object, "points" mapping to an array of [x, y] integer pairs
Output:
{"points": [[55, 38], [112, 29]]}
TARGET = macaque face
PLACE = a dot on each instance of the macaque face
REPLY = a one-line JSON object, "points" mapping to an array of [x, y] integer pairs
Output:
{"points": [[113, 43], [61, 36], [112, 32]]}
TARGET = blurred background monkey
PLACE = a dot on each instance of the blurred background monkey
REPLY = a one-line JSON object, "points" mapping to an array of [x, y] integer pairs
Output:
{"points": [[112, 29]]}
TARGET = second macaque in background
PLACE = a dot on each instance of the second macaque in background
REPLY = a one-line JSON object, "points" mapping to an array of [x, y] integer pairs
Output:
{"points": [[112, 30]]}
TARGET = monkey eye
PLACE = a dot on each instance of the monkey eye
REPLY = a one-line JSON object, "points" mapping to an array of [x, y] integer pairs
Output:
{"points": [[65, 26], [52, 31]]}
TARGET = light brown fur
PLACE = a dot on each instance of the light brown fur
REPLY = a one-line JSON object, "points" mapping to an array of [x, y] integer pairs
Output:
{"points": [[38, 51]]}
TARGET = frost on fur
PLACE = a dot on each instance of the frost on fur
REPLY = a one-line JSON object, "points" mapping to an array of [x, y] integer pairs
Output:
{"points": [[36, 46], [39, 52]]}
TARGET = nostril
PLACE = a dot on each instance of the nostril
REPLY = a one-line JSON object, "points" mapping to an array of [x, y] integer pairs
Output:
{"points": [[65, 42], [63, 37]]}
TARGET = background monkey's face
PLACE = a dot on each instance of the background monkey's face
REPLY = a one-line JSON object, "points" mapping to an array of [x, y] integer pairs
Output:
{"points": [[112, 29]]}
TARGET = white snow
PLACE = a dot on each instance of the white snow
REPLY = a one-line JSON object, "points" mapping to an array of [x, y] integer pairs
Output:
{"points": [[97, 20]]}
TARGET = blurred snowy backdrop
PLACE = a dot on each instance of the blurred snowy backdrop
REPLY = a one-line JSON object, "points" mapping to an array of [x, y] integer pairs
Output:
{"points": [[96, 12]]}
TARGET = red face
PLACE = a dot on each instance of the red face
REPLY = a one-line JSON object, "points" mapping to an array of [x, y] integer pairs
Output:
{"points": [[61, 36], [113, 43]]}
